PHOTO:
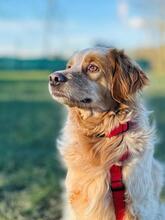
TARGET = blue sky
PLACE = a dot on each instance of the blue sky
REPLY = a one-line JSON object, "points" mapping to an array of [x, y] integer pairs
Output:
{"points": [[36, 28]]}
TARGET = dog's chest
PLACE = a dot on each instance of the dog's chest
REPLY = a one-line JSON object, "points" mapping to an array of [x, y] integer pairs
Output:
{"points": [[90, 195]]}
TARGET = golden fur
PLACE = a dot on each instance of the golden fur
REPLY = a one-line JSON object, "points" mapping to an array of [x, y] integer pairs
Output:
{"points": [[114, 91]]}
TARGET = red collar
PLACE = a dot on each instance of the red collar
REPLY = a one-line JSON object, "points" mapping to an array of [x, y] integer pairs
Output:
{"points": [[118, 130]]}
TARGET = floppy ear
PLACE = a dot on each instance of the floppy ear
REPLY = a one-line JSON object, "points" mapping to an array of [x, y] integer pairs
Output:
{"points": [[128, 78]]}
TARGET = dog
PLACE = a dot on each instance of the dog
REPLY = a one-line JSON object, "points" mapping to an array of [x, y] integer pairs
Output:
{"points": [[107, 121]]}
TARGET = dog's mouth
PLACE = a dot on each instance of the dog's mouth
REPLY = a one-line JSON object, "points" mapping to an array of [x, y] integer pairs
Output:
{"points": [[86, 100], [59, 96], [82, 100], [56, 93], [62, 95]]}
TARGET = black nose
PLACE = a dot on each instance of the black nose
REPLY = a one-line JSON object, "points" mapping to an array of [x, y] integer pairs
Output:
{"points": [[57, 78]]}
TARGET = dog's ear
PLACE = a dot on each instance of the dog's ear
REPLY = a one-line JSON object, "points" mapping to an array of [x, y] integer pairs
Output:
{"points": [[127, 77]]}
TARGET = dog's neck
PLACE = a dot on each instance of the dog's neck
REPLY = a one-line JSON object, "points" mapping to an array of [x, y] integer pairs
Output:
{"points": [[92, 123], [103, 151]]}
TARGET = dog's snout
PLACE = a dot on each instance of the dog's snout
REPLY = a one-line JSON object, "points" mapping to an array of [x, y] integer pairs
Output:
{"points": [[57, 78]]}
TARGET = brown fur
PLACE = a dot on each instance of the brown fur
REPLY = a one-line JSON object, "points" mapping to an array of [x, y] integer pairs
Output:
{"points": [[127, 79]]}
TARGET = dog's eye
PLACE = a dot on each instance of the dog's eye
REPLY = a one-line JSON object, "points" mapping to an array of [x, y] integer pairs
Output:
{"points": [[92, 68], [69, 66]]}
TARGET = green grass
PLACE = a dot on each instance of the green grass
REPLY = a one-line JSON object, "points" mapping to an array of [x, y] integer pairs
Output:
{"points": [[29, 169], [24, 75], [157, 85], [24, 86], [30, 121], [30, 172]]}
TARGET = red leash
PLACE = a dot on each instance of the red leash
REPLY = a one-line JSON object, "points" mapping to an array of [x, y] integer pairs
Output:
{"points": [[117, 185]]}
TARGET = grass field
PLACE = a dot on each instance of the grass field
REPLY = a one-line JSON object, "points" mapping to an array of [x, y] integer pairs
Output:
{"points": [[30, 121]]}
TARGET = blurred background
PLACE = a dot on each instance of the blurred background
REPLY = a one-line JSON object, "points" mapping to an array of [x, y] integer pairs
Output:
{"points": [[37, 37]]}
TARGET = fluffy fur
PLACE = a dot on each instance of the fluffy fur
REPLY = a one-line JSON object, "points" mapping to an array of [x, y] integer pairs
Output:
{"points": [[113, 89]]}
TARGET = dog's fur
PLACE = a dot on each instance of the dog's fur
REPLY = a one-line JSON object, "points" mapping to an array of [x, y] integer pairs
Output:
{"points": [[99, 97]]}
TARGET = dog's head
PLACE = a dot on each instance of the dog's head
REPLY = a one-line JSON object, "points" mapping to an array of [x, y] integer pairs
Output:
{"points": [[100, 79]]}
